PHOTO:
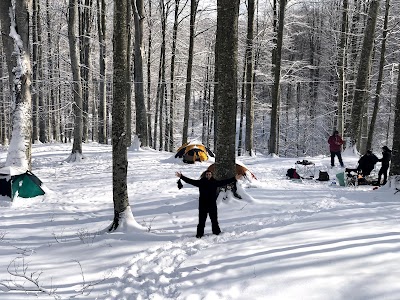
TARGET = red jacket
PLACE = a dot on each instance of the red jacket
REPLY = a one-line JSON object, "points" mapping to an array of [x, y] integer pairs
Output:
{"points": [[335, 143]]}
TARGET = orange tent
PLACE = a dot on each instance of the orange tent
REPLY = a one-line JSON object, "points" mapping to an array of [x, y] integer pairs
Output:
{"points": [[191, 152]]}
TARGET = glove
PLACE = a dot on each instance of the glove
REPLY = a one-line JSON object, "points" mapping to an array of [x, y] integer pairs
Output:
{"points": [[180, 185]]}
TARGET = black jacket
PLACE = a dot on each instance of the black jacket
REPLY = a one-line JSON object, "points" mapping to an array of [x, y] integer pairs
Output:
{"points": [[208, 190], [367, 163], [387, 155]]}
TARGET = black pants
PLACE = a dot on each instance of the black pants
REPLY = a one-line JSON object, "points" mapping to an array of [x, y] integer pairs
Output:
{"points": [[203, 212], [339, 156], [383, 171]]}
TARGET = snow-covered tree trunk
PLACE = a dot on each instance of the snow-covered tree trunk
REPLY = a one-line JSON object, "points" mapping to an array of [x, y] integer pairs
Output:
{"points": [[76, 154], [14, 16]]}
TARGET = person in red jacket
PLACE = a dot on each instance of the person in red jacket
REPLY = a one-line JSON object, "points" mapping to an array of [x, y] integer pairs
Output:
{"points": [[335, 147]]}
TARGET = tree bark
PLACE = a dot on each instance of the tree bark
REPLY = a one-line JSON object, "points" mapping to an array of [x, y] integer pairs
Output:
{"points": [[249, 80], [226, 86], [274, 134], [360, 93], [395, 165], [141, 113], [119, 143], [77, 86], [341, 69], [371, 130], [101, 25], [19, 65], [188, 87]]}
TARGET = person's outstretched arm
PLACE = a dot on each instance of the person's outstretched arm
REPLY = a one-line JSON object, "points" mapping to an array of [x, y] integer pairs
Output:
{"points": [[187, 180]]}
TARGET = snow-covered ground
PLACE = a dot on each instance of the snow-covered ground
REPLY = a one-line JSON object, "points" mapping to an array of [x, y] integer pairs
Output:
{"points": [[285, 239]]}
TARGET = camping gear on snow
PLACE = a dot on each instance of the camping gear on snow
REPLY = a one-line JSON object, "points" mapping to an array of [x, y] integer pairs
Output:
{"points": [[323, 176], [292, 174], [341, 178], [192, 152], [305, 169], [15, 182]]}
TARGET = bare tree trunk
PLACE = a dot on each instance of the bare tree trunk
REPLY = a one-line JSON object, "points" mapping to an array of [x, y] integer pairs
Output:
{"points": [[129, 76], [226, 87], [77, 86], [360, 93], [380, 78], [274, 134], [120, 92], [101, 25], [395, 165], [249, 80], [141, 113], [170, 126], [19, 65], [242, 105], [341, 69], [35, 72], [54, 133], [85, 25], [193, 10]]}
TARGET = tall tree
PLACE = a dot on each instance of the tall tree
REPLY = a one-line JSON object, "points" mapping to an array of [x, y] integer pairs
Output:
{"points": [[395, 165], [249, 79], [226, 86], [141, 113], [276, 70], [16, 18], [360, 93], [188, 88], [85, 29], [371, 130], [101, 26], [76, 153], [149, 51], [341, 67], [119, 142]]}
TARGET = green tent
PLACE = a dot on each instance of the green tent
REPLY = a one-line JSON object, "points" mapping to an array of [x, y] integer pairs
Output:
{"points": [[14, 182]]}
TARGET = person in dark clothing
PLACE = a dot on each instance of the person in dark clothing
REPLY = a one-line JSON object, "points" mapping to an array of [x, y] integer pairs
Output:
{"points": [[208, 199], [386, 157], [367, 163], [335, 147]]}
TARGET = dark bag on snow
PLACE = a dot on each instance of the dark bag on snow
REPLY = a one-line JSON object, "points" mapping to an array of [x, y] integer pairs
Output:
{"points": [[323, 176], [291, 173]]}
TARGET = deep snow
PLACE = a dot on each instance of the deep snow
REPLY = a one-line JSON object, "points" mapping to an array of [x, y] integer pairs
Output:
{"points": [[285, 239]]}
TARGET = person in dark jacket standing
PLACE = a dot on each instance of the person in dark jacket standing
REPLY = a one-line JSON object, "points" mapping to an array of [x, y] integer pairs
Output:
{"points": [[367, 163], [386, 157], [335, 147], [208, 199]]}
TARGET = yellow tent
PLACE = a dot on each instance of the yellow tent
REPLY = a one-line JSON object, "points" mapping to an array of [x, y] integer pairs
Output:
{"points": [[191, 152]]}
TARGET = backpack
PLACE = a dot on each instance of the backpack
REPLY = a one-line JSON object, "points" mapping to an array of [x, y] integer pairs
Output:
{"points": [[291, 173], [323, 176]]}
